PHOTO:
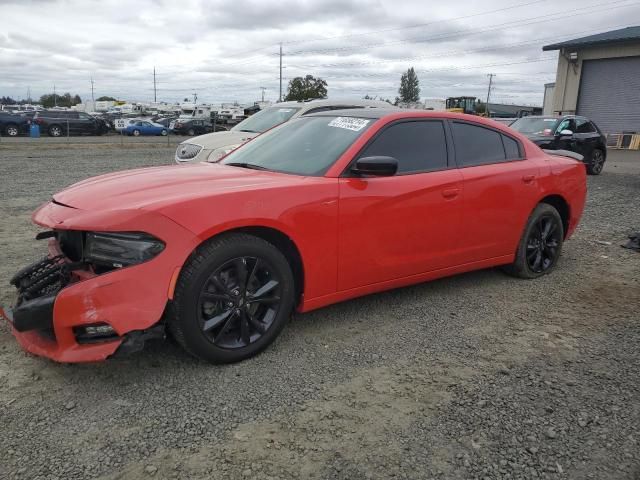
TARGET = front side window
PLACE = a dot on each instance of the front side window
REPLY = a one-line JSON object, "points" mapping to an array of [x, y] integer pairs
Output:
{"points": [[419, 146], [477, 145], [305, 146], [567, 124], [265, 119]]}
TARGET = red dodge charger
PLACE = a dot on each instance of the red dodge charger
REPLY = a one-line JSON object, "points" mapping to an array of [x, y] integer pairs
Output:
{"points": [[319, 210]]}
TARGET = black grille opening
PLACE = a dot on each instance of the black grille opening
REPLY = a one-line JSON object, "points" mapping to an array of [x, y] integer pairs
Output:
{"points": [[71, 243]]}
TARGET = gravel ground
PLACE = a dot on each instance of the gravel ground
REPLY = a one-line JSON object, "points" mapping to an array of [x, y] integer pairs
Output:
{"points": [[475, 376]]}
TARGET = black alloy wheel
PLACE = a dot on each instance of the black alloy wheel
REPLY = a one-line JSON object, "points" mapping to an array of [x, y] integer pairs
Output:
{"points": [[542, 244], [232, 299], [596, 164], [239, 302]]}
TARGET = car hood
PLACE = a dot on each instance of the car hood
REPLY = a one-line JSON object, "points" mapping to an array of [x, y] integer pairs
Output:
{"points": [[211, 141], [156, 187]]}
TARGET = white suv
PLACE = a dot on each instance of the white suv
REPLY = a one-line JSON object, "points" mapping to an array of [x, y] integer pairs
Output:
{"points": [[213, 146]]}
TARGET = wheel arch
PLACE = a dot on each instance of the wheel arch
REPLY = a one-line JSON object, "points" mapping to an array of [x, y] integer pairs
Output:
{"points": [[562, 206], [277, 238]]}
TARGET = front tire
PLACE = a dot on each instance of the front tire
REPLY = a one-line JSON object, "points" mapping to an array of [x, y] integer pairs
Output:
{"points": [[136, 133], [12, 130], [233, 297], [191, 132], [540, 245], [596, 162]]}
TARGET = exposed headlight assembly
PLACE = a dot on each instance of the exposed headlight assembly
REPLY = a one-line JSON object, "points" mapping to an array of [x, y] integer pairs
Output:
{"points": [[121, 249]]}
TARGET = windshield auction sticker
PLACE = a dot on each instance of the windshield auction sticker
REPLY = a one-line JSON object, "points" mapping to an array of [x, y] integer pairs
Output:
{"points": [[349, 123]]}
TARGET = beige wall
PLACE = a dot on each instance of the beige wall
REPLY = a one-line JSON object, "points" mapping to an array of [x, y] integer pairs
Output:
{"points": [[565, 96]]}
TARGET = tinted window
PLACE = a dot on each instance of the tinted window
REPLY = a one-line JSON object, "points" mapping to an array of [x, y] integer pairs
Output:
{"points": [[418, 146], [511, 148], [477, 145], [584, 126], [266, 119]]}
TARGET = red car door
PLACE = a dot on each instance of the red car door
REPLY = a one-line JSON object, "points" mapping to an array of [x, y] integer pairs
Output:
{"points": [[406, 224], [500, 190]]}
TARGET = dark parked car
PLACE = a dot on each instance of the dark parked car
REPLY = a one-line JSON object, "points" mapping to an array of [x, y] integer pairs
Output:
{"points": [[195, 127], [164, 121], [13, 125], [568, 132], [56, 122]]}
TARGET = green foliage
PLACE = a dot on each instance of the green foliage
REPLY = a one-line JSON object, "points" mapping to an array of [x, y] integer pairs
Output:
{"points": [[7, 101], [66, 100], [106, 99], [306, 88], [480, 107], [409, 90]]}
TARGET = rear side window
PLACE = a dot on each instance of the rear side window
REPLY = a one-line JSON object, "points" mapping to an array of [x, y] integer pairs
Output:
{"points": [[584, 126], [477, 145], [418, 146], [511, 148]]}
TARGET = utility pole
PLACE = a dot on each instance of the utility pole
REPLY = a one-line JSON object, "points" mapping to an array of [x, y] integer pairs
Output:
{"points": [[280, 97], [486, 105], [29, 94], [55, 101], [263, 89], [195, 97], [92, 97], [155, 99]]}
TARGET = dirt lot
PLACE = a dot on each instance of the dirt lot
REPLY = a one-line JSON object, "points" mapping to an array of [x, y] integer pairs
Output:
{"points": [[477, 376]]}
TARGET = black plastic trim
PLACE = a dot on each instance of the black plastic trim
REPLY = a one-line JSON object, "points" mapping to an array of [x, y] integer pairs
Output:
{"points": [[36, 314]]}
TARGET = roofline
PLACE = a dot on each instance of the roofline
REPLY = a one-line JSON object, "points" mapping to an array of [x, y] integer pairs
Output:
{"points": [[580, 45]]}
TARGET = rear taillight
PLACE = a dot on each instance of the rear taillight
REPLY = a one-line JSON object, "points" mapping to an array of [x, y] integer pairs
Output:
{"points": [[38, 121]]}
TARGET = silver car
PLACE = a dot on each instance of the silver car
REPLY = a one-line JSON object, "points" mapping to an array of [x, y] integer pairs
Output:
{"points": [[211, 147]]}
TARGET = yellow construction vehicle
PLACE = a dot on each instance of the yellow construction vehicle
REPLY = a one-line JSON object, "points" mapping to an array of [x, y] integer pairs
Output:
{"points": [[461, 105]]}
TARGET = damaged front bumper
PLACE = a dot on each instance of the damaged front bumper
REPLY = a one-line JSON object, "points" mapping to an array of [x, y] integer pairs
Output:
{"points": [[69, 313]]}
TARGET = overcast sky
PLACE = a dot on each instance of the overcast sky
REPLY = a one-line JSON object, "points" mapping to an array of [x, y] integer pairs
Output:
{"points": [[225, 50]]}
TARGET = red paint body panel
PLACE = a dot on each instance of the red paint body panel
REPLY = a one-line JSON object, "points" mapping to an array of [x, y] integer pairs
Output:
{"points": [[355, 235]]}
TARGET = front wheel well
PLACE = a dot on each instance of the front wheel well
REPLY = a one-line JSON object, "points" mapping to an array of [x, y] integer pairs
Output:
{"points": [[283, 243], [561, 205]]}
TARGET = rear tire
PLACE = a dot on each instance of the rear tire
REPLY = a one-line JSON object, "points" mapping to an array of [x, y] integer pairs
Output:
{"points": [[136, 133], [163, 133], [540, 245], [232, 299], [55, 131], [191, 132], [596, 162]]}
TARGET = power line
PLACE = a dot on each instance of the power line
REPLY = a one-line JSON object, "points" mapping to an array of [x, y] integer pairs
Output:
{"points": [[519, 22], [464, 17]]}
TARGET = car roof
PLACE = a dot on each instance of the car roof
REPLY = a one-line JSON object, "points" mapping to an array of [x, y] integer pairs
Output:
{"points": [[375, 113], [309, 104]]}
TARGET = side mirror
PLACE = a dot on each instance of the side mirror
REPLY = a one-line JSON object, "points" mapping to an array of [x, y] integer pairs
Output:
{"points": [[566, 133], [376, 166]]}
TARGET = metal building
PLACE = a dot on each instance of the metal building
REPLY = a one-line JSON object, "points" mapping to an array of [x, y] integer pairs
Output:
{"points": [[599, 76]]}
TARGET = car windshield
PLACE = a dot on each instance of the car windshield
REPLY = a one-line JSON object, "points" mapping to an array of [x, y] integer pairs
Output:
{"points": [[305, 146], [539, 126], [265, 119]]}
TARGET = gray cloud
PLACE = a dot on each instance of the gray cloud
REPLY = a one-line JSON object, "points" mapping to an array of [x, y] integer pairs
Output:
{"points": [[226, 50]]}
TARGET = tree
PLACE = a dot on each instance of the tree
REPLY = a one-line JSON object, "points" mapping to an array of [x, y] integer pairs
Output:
{"points": [[7, 101], [106, 99], [306, 88], [65, 100], [409, 90]]}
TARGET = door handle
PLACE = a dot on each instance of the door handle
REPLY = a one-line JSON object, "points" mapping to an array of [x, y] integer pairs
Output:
{"points": [[528, 178], [451, 193]]}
